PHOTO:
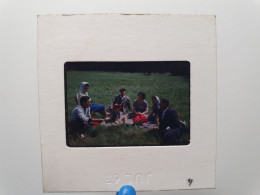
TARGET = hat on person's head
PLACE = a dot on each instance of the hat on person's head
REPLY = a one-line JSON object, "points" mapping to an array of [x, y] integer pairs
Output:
{"points": [[83, 85], [86, 83]]}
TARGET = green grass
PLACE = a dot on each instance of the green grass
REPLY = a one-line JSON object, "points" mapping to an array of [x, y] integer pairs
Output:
{"points": [[118, 136], [103, 88]]}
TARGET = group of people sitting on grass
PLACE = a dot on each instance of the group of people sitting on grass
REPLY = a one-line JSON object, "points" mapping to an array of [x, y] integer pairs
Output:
{"points": [[120, 112]]}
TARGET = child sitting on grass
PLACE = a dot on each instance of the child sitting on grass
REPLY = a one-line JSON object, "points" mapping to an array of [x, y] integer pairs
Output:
{"points": [[115, 115]]}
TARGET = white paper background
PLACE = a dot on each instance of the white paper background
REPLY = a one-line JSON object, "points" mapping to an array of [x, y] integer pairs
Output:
{"points": [[117, 37], [238, 29]]}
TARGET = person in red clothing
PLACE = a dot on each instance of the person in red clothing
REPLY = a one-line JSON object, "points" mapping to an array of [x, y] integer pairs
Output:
{"points": [[140, 109]]}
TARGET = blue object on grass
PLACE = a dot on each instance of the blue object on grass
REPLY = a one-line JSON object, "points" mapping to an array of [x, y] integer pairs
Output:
{"points": [[97, 107], [126, 190]]}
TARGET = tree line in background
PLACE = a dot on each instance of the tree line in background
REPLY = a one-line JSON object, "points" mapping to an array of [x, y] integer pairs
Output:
{"points": [[176, 68]]}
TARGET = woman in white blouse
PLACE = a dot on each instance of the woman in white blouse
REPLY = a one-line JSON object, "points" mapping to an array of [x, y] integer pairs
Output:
{"points": [[83, 91]]}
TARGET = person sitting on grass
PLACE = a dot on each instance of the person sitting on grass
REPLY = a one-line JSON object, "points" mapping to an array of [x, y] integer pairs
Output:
{"points": [[169, 124], [153, 116], [123, 100], [83, 91], [140, 109], [81, 121], [115, 115]]}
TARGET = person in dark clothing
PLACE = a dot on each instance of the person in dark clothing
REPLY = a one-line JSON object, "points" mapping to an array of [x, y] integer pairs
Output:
{"points": [[169, 124], [123, 100]]}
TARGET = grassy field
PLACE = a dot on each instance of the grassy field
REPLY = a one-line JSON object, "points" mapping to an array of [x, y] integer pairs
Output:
{"points": [[103, 88]]}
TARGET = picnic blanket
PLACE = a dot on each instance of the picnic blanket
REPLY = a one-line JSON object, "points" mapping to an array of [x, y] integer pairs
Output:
{"points": [[129, 122]]}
